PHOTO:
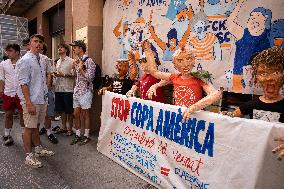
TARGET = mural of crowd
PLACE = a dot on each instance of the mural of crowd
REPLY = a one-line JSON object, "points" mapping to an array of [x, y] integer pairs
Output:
{"points": [[224, 35]]}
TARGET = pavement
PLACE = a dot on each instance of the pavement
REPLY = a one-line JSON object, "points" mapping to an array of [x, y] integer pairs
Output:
{"points": [[72, 166]]}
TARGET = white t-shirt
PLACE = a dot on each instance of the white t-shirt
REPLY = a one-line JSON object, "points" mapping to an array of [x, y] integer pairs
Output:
{"points": [[8, 74], [64, 84]]}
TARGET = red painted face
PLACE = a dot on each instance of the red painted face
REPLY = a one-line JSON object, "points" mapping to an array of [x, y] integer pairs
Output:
{"points": [[270, 79]]}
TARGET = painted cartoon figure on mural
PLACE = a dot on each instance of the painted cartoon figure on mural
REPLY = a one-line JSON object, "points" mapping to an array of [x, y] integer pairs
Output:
{"points": [[205, 45], [123, 38], [131, 36], [124, 4], [181, 21], [173, 8], [137, 34], [171, 45], [276, 35], [249, 40], [188, 87], [219, 7]]}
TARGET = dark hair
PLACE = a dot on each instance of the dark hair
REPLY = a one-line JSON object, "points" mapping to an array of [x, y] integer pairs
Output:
{"points": [[270, 57], [172, 34], [14, 46], [25, 41], [65, 46], [44, 48], [5, 57], [38, 36], [84, 49]]}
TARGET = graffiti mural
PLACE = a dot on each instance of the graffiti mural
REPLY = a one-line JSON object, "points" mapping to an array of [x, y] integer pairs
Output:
{"points": [[223, 34]]}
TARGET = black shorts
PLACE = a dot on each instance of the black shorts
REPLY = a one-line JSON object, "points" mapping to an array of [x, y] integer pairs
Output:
{"points": [[64, 102]]}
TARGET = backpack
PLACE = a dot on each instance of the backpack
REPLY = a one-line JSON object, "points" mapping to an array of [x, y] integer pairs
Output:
{"points": [[97, 81]]}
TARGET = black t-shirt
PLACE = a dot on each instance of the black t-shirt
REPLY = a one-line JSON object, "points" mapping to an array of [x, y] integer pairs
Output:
{"points": [[121, 86], [256, 109]]}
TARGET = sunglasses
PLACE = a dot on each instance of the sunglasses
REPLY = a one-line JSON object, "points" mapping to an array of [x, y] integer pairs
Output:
{"points": [[142, 60]]}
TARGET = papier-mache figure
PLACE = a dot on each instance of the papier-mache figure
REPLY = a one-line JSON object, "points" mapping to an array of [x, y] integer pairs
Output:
{"points": [[188, 86], [268, 70], [122, 81], [279, 148], [268, 67], [146, 81]]}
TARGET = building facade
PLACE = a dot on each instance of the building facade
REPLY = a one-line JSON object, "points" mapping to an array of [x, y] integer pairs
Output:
{"points": [[65, 21]]}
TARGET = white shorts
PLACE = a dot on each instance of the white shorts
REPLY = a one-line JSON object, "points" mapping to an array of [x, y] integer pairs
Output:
{"points": [[84, 101]]}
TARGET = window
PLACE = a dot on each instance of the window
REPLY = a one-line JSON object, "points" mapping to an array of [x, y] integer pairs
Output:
{"points": [[56, 40]]}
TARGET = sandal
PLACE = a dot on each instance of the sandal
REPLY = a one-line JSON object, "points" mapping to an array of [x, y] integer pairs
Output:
{"points": [[69, 133]]}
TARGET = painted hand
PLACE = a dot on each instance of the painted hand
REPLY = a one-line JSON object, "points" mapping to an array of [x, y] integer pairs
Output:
{"points": [[102, 91], [131, 57], [231, 114], [131, 93], [279, 148], [186, 114], [152, 91]]}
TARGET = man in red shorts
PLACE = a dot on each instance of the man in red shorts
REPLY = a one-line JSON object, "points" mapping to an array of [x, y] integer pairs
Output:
{"points": [[8, 90]]}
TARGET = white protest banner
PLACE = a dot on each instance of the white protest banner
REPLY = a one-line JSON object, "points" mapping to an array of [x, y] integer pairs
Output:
{"points": [[223, 34], [209, 151]]}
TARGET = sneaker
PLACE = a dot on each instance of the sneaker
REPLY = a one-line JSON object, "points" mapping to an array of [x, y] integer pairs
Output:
{"points": [[42, 131], [8, 140], [57, 118], [33, 162], [4, 138], [84, 140], [75, 140], [52, 139], [43, 152]]}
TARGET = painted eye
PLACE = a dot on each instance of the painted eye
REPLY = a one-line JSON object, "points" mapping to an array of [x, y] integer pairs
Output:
{"points": [[262, 74], [276, 73]]}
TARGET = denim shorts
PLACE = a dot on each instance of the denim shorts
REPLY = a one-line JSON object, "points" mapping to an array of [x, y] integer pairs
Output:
{"points": [[50, 104]]}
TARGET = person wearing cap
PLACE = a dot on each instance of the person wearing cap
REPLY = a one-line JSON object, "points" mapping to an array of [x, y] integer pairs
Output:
{"points": [[31, 73], [84, 68], [122, 83]]}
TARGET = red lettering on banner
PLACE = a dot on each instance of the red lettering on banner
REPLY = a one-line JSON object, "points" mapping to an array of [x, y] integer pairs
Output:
{"points": [[163, 147], [141, 138], [188, 162], [120, 108]]}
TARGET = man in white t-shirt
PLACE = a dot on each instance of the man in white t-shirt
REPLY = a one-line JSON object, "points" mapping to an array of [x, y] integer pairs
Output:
{"points": [[8, 90], [64, 80]]}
